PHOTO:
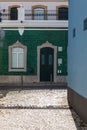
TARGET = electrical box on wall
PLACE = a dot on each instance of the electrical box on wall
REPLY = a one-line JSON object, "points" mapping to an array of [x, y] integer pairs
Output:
{"points": [[59, 61], [60, 49]]}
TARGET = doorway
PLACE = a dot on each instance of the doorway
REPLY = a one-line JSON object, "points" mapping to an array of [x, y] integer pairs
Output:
{"points": [[14, 13], [46, 64]]}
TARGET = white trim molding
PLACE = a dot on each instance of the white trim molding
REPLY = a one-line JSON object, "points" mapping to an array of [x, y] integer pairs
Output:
{"points": [[35, 24], [47, 44], [17, 44]]}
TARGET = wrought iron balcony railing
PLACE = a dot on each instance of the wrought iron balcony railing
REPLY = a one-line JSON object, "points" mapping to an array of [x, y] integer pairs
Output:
{"points": [[31, 15]]}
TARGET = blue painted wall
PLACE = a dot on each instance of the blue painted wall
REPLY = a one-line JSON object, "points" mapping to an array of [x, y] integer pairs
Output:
{"points": [[77, 50]]}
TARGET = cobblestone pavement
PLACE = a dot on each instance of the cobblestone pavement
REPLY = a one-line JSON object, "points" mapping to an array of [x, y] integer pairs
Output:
{"points": [[38, 110]]}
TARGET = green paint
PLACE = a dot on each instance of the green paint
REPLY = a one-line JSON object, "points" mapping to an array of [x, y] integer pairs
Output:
{"points": [[32, 39]]}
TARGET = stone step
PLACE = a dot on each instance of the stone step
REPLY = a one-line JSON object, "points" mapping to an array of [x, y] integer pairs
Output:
{"points": [[40, 85]]}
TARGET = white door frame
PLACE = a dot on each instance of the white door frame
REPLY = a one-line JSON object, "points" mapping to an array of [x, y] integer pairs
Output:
{"points": [[47, 44]]}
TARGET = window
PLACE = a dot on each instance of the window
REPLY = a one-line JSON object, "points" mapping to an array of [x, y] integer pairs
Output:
{"points": [[85, 24], [74, 32], [43, 59], [17, 57], [50, 59], [13, 12], [39, 12], [62, 13]]}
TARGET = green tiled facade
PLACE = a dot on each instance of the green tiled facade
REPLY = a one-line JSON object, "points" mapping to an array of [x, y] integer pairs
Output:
{"points": [[32, 39]]}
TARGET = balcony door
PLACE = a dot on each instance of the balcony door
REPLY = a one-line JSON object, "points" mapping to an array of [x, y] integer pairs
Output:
{"points": [[63, 13], [14, 13], [39, 14]]}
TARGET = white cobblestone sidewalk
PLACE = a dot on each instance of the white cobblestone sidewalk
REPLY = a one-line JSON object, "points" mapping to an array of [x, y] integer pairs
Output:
{"points": [[38, 98], [37, 110]]}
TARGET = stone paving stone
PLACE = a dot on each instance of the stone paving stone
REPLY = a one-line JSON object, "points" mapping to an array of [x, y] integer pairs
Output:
{"points": [[38, 110], [36, 120], [39, 98]]}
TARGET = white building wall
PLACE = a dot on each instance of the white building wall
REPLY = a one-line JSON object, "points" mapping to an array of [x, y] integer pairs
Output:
{"points": [[28, 5], [51, 8]]}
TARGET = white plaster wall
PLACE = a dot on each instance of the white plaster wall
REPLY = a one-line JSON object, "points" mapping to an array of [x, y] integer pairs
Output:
{"points": [[28, 5]]}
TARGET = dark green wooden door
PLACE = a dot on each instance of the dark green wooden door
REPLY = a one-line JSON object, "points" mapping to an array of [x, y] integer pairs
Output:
{"points": [[46, 64], [14, 13]]}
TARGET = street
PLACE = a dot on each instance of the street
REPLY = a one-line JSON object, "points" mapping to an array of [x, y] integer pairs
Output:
{"points": [[39, 109]]}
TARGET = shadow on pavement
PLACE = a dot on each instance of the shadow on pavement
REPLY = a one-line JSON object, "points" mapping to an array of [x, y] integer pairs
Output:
{"points": [[13, 88], [33, 107], [80, 125], [3, 93]]}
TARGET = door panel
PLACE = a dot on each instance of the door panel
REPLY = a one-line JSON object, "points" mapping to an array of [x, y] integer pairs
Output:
{"points": [[46, 64]]}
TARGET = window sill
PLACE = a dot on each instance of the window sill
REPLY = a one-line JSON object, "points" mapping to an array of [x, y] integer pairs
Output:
{"points": [[17, 70]]}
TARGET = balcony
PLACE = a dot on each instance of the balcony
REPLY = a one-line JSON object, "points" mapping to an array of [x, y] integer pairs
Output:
{"points": [[28, 19]]}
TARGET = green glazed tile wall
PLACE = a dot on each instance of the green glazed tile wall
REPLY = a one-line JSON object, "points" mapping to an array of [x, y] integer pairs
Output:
{"points": [[32, 39]]}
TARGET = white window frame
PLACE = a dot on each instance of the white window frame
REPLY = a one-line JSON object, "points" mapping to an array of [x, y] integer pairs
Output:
{"points": [[17, 45], [17, 54], [39, 11]]}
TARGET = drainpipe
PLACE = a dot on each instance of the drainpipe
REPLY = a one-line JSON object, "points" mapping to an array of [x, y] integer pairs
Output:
{"points": [[22, 80], [21, 19], [50, 77]]}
